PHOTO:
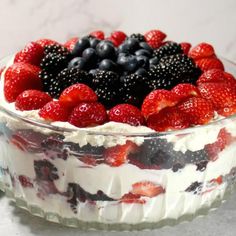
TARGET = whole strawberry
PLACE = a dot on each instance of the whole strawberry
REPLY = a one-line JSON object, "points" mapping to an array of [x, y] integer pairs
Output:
{"points": [[88, 114], [154, 38], [20, 77], [32, 54], [206, 64], [31, 100]]}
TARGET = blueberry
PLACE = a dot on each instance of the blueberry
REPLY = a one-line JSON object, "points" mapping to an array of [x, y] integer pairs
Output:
{"points": [[107, 64], [94, 42], [153, 61], [105, 49], [123, 48], [143, 52], [143, 61], [145, 46], [77, 62], [132, 44], [82, 44], [142, 72], [90, 55], [128, 63]]}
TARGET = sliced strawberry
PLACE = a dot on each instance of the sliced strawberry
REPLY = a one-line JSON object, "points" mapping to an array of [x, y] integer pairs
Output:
{"points": [[186, 90], [89, 160], [224, 138], [131, 198], [118, 155], [98, 34], [222, 96], [209, 63], [32, 54], [170, 118], [198, 110], [46, 42], [31, 100], [202, 50], [213, 75], [70, 44], [157, 100], [126, 113], [25, 181], [20, 77], [54, 111], [76, 94], [185, 47], [147, 189], [88, 114], [154, 38], [118, 37], [230, 78]]}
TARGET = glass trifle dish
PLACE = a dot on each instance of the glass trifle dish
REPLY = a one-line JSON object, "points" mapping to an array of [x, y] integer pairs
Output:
{"points": [[126, 132]]}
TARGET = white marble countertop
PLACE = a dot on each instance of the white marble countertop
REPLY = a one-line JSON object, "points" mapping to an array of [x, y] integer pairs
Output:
{"points": [[18, 222]]}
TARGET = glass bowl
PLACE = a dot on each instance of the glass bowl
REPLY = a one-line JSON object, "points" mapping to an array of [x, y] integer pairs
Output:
{"points": [[116, 181]]}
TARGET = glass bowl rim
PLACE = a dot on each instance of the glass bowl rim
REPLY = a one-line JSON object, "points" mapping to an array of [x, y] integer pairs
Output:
{"points": [[153, 133]]}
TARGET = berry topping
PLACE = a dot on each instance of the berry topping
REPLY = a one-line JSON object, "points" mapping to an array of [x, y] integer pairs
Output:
{"points": [[20, 77], [25, 181], [199, 110], [57, 49], [32, 54], [209, 63], [54, 111], [118, 37], [202, 50], [157, 100], [80, 46], [186, 90], [138, 36], [31, 100], [185, 47], [222, 96], [70, 44], [147, 189], [154, 38], [88, 115], [118, 155], [77, 93], [131, 198], [126, 113], [45, 42], [105, 50], [169, 118], [98, 34]]}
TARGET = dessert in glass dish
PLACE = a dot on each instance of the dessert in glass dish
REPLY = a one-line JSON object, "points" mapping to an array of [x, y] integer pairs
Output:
{"points": [[124, 132]]}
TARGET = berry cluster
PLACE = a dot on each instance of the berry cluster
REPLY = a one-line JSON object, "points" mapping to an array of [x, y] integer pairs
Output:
{"points": [[137, 79]]}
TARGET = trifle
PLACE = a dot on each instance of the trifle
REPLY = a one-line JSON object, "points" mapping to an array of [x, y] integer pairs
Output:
{"points": [[120, 132]]}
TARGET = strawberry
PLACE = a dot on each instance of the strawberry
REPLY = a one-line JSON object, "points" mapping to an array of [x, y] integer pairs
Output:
{"points": [[202, 50], [20, 77], [185, 47], [126, 113], [114, 42], [131, 198], [45, 42], [88, 114], [198, 110], [185, 90], [89, 160], [154, 38], [118, 155], [77, 93], [25, 181], [31, 100], [71, 43], [224, 138], [118, 37], [147, 189], [98, 34], [157, 100], [169, 118], [32, 54], [229, 78], [209, 63], [1, 70], [54, 111], [222, 96]]}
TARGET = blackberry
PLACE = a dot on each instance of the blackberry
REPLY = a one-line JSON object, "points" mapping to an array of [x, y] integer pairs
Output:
{"points": [[45, 170], [54, 63], [195, 187], [46, 78], [106, 79], [66, 78], [138, 36], [56, 48], [168, 49], [107, 96]]}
